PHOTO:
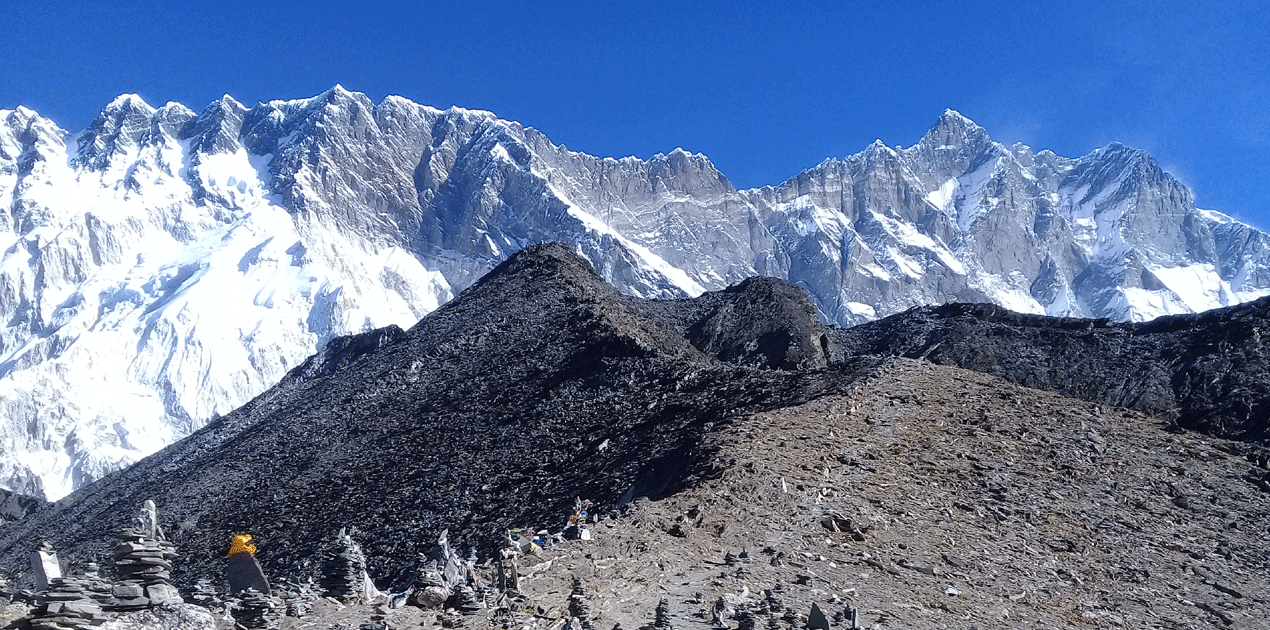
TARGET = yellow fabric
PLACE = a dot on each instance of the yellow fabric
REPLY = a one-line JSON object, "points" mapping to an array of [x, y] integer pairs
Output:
{"points": [[241, 544]]}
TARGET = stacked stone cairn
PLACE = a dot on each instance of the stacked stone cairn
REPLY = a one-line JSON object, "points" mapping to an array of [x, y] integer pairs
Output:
{"points": [[432, 591], [296, 597], [96, 587], [480, 588], [344, 571], [772, 603], [482, 591], [205, 595], [464, 600], [71, 602], [579, 607], [378, 621], [144, 565], [661, 616], [256, 611]]}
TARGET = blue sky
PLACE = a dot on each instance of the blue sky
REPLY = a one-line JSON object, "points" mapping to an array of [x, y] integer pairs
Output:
{"points": [[765, 91]]}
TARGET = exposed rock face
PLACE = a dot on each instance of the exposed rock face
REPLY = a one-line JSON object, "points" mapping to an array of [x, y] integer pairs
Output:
{"points": [[165, 266], [14, 506]]}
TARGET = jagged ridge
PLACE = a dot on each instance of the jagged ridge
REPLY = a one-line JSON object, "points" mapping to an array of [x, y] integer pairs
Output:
{"points": [[164, 266]]}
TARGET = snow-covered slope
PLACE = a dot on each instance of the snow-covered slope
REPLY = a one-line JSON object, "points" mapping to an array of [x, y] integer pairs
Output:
{"points": [[164, 266]]}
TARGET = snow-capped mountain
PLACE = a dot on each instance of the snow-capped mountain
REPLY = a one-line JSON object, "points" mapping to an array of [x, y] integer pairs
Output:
{"points": [[165, 266]]}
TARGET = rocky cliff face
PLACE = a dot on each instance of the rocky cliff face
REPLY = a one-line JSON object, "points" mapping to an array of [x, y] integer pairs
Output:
{"points": [[163, 266]]}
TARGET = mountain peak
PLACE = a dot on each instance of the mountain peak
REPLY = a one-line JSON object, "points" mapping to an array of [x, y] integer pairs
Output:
{"points": [[337, 94], [954, 131], [952, 115], [554, 259], [121, 124], [129, 101], [227, 101]]}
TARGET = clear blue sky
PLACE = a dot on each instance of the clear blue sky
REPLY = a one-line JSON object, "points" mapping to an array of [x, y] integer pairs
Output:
{"points": [[765, 92]]}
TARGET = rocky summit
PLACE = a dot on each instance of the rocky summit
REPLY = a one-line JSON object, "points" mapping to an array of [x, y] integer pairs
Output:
{"points": [[537, 385], [746, 465]]}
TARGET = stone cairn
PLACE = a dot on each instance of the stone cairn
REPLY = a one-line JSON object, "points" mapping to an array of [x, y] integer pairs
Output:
{"points": [[480, 590], [772, 603], [451, 618], [580, 607], [464, 600], [144, 565], [72, 602], [344, 571], [96, 587], [296, 597], [661, 616], [378, 621], [432, 591], [255, 611], [205, 595]]}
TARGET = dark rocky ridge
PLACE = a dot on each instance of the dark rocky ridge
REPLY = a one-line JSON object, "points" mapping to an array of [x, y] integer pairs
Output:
{"points": [[542, 383], [538, 384], [1206, 372]]}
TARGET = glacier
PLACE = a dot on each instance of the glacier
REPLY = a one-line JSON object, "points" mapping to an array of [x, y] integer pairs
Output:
{"points": [[164, 266]]}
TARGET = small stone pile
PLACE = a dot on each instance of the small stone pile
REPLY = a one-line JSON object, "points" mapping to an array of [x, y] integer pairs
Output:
{"points": [[451, 619], [432, 591], [482, 592], [296, 597], [464, 600], [772, 602], [344, 571], [378, 621], [145, 571], [68, 604], [97, 588], [205, 595], [256, 611], [661, 616], [580, 607]]}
